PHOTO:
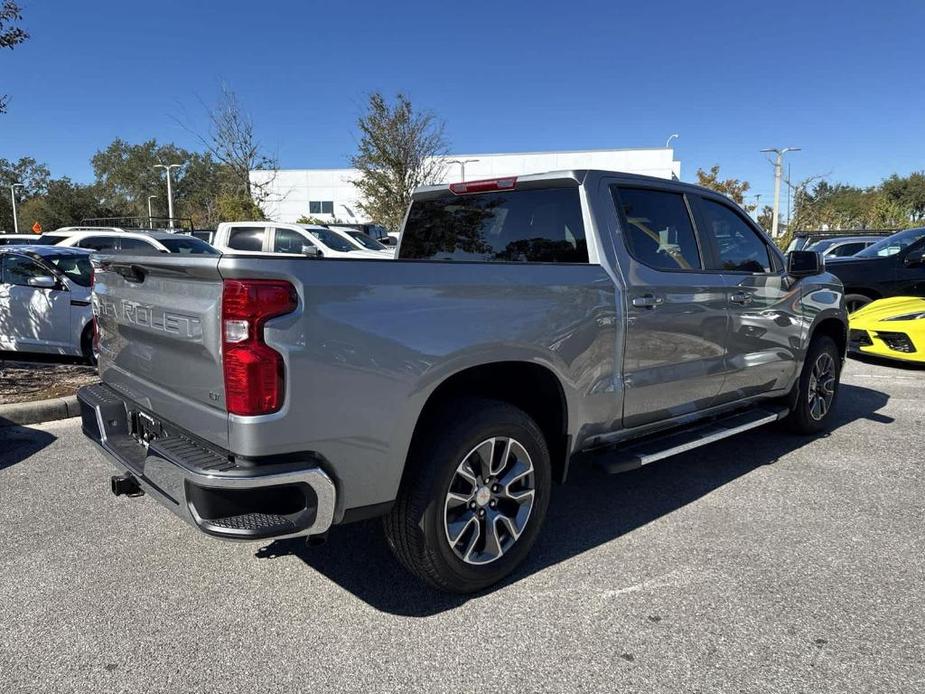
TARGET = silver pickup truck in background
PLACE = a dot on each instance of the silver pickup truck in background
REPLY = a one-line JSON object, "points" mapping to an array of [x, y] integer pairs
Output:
{"points": [[525, 320]]}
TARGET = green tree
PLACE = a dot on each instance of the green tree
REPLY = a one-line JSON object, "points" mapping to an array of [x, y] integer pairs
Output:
{"points": [[732, 188], [126, 176], [908, 193], [34, 178], [766, 218], [307, 219], [399, 149], [11, 34], [126, 173], [64, 203], [237, 207]]}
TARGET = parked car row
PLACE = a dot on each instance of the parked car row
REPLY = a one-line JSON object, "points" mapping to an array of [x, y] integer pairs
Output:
{"points": [[276, 238], [45, 279]]}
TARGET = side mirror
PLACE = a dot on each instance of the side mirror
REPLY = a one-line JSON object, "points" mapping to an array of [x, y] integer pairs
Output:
{"points": [[43, 282], [916, 257], [804, 263], [310, 251]]}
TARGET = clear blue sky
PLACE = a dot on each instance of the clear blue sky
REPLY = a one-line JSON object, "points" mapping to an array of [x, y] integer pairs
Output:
{"points": [[844, 80]]}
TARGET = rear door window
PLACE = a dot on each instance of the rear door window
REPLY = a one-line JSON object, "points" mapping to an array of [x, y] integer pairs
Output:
{"points": [[137, 245], [659, 231], [247, 238], [739, 246], [98, 243], [524, 226]]}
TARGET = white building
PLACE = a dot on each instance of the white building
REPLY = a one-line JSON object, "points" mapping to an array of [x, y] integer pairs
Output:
{"points": [[329, 194]]}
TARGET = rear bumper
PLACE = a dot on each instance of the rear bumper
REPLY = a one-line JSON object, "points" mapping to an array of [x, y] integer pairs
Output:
{"points": [[204, 486]]}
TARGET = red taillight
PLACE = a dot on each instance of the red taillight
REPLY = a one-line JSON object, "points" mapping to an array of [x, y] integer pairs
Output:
{"points": [[483, 186], [254, 372]]}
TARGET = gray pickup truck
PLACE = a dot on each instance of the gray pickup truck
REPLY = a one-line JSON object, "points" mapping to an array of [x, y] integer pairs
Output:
{"points": [[526, 320]]}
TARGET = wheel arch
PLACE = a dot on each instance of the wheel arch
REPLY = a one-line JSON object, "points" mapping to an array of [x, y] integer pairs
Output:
{"points": [[533, 388], [834, 328]]}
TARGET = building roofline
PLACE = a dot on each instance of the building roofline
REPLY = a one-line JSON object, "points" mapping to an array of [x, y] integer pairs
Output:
{"points": [[498, 154]]}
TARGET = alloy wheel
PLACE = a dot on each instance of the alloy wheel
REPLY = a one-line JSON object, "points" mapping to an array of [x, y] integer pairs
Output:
{"points": [[821, 390], [489, 500]]}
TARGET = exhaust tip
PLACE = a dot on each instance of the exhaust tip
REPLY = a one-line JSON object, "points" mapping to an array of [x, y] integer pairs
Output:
{"points": [[125, 484]]}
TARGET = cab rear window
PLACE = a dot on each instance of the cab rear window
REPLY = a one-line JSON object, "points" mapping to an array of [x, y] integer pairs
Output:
{"points": [[527, 226]]}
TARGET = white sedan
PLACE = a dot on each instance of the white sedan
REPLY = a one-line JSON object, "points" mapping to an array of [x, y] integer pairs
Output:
{"points": [[45, 300]]}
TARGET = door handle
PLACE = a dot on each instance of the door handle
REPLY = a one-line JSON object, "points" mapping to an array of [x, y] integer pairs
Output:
{"points": [[743, 298], [647, 301]]}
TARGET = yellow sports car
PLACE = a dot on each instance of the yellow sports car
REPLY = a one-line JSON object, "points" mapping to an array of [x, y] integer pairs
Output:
{"points": [[892, 328]]}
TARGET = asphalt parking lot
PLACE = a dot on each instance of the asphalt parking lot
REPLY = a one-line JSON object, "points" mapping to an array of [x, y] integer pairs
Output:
{"points": [[766, 563]]}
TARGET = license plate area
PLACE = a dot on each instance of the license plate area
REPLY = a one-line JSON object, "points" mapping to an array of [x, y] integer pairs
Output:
{"points": [[144, 428]]}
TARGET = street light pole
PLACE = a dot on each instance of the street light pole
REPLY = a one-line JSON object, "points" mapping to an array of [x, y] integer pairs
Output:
{"points": [[670, 138], [462, 165], [167, 168], [778, 168], [13, 188], [150, 215]]}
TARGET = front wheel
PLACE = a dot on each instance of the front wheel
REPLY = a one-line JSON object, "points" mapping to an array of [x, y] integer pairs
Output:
{"points": [[474, 497], [817, 388]]}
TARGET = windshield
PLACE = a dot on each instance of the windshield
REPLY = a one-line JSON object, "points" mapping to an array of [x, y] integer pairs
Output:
{"points": [[188, 245], [332, 240], [364, 240], [892, 245], [76, 268]]}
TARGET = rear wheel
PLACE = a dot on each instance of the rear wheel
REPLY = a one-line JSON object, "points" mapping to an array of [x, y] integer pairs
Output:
{"points": [[474, 497], [817, 387], [853, 302]]}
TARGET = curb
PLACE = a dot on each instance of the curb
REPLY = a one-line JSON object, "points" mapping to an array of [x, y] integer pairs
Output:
{"points": [[15, 413]]}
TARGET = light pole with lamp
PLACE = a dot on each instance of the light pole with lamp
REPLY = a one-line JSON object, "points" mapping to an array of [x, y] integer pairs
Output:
{"points": [[167, 168], [671, 137], [13, 188], [778, 167]]}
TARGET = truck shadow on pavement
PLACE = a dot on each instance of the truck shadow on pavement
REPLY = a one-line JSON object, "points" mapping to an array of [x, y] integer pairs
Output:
{"points": [[18, 443], [588, 511]]}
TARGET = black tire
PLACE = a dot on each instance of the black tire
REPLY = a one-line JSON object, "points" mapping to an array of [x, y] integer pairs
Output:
{"points": [[418, 529], [855, 301], [86, 345], [807, 415]]}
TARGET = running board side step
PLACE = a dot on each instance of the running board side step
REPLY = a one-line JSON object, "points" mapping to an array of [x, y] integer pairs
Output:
{"points": [[635, 455]]}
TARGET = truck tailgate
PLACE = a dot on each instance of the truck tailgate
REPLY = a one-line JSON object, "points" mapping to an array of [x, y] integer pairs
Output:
{"points": [[160, 337]]}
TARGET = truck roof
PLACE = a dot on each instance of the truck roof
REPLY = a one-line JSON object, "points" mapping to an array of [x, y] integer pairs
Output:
{"points": [[575, 176]]}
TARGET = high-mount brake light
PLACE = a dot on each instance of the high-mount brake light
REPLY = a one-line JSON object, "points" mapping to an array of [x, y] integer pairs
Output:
{"points": [[254, 372], [485, 186]]}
